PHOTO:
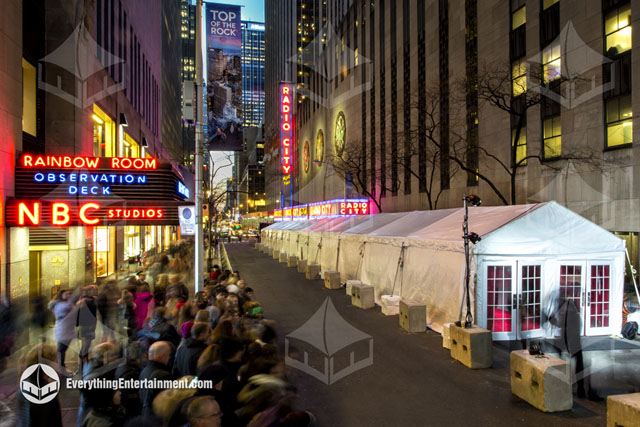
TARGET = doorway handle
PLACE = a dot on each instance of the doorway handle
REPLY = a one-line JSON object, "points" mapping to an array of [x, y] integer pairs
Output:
{"points": [[588, 298], [514, 302]]}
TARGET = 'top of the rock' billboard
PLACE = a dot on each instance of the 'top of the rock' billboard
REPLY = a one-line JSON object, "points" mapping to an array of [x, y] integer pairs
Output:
{"points": [[224, 77]]}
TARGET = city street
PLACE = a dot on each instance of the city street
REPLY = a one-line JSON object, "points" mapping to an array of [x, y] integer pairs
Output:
{"points": [[413, 381]]}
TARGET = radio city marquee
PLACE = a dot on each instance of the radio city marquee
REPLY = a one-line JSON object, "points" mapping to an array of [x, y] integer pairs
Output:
{"points": [[328, 209], [80, 190], [286, 131]]}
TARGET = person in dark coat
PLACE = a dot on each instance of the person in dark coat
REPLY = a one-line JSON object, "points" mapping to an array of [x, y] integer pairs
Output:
{"points": [[157, 368], [87, 311], [33, 414], [189, 352], [569, 320], [130, 370], [159, 329]]}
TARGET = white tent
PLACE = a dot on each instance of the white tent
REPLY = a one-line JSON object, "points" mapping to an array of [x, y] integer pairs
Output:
{"points": [[529, 255]]}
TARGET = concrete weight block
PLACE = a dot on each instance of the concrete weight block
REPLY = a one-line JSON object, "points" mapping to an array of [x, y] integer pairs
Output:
{"points": [[292, 261], [544, 382], [332, 279], [473, 347], [276, 254], [313, 271], [446, 336], [350, 283], [302, 266], [269, 251], [390, 304], [362, 296], [413, 316], [283, 257], [623, 410]]}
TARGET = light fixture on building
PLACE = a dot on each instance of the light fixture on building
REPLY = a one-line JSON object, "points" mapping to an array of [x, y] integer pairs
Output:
{"points": [[123, 120], [145, 143], [97, 119]]}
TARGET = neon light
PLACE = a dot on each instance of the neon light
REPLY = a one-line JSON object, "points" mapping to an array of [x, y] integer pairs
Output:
{"points": [[60, 214], [127, 163], [83, 216], [150, 213], [286, 130], [104, 178], [183, 190], [34, 214], [82, 162]]}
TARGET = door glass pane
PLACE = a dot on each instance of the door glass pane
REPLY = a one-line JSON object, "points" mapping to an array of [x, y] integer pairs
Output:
{"points": [[530, 308], [499, 298], [571, 283], [599, 289]]}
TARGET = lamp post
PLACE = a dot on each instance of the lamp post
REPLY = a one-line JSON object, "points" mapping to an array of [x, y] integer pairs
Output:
{"points": [[467, 237]]}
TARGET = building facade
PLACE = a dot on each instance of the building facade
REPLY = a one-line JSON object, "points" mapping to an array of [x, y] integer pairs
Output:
{"points": [[86, 83], [517, 102], [252, 73]]}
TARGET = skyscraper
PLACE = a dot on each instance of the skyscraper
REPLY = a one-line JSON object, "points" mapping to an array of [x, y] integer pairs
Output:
{"points": [[253, 73]]}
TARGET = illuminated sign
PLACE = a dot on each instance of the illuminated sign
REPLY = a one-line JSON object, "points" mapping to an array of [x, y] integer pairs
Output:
{"points": [[327, 209], [286, 128], [32, 213], [82, 162], [51, 177], [353, 208], [256, 27]]}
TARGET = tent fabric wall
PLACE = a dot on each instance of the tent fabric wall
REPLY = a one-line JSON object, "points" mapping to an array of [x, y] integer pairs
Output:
{"points": [[433, 265]]}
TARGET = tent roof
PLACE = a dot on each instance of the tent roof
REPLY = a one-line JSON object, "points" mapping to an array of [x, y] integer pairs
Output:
{"points": [[411, 222], [374, 222]]}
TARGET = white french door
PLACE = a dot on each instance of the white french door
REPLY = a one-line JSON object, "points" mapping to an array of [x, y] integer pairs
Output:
{"points": [[514, 293]]}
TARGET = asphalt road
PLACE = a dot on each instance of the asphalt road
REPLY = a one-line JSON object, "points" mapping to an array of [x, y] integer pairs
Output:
{"points": [[413, 381]]}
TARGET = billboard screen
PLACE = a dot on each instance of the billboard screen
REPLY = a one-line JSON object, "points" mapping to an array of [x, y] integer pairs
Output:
{"points": [[224, 77]]}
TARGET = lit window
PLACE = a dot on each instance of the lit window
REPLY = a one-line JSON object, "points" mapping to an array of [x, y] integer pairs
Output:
{"points": [[355, 57], [28, 98], [519, 17], [617, 30], [519, 77], [619, 123], [552, 137], [546, 4], [551, 62], [521, 150]]}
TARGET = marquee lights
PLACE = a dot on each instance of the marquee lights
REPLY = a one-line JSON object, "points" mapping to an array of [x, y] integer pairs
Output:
{"points": [[286, 128], [82, 162], [327, 209]]}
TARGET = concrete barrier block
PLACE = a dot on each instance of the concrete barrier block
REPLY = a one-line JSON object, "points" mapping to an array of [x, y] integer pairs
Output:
{"points": [[362, 296], [292, 261], [543, 382], [350, 283], [413, 316], [332, 279], [446, 336], [269, 251], [283, 257], [623, 410], [302, 266], [390, 304], [276, 254], [473, 347], [313, 271]]}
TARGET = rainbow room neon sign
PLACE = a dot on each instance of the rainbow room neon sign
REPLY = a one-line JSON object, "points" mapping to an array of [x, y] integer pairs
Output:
{"points": [[286, 129], [82, 162]]}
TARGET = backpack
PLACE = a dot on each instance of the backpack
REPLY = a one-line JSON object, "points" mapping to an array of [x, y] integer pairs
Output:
{"points": [[629, 330]]}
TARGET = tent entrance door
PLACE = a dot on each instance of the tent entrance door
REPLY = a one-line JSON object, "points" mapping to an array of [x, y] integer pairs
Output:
{"points": [[514, 293]]}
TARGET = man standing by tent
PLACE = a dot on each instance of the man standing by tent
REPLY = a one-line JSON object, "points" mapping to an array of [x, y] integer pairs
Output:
{"points": [[568, 319]]}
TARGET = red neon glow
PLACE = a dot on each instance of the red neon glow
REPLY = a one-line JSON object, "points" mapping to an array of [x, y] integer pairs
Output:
{"points": [[82, 213], [60, 214], [65, 162], [34, 214], [135, 213], [82, 162], [354, 208], [286, 128]]}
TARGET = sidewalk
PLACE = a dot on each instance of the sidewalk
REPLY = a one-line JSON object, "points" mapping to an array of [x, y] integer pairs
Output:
{"points": [[413, 381]]}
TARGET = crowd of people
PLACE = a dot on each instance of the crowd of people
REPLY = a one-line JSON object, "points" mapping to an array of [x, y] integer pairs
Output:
{"points": [[152, 328]]}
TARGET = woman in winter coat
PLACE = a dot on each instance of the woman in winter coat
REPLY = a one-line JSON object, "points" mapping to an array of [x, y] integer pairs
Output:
{"points": [[64, 329]]}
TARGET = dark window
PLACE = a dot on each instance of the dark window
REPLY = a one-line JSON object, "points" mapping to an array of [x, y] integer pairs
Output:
{"points": [[372, 99], [422, 101], [443, 64], [617, 74], [406, 69], [549, 24], [394, 103], [471, 59]]}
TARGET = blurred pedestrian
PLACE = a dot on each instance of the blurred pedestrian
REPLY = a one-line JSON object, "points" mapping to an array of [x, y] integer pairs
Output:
{"points": [[157, 368], [86, 321], [64, 330]]}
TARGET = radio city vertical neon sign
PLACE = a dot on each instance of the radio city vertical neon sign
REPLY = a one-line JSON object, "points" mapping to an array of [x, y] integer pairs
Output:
{"points": [[286, 128]]}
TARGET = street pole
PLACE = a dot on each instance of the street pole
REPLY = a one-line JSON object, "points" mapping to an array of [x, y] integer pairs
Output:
{"points": [[199, 247]]}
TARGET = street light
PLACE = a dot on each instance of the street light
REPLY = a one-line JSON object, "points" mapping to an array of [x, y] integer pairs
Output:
{"points": [[474, 238]]}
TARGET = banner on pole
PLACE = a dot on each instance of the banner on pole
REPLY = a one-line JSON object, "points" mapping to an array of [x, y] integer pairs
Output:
{"points": [[187, 216]]}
